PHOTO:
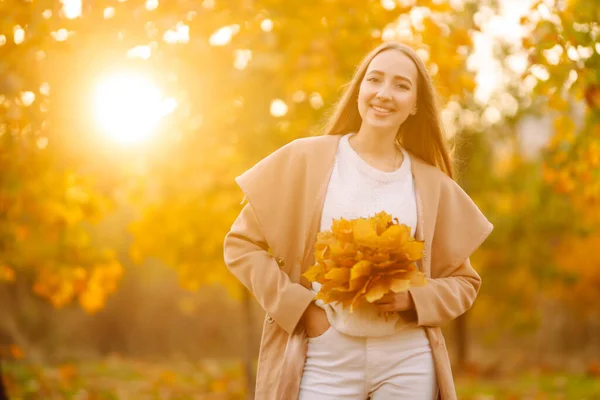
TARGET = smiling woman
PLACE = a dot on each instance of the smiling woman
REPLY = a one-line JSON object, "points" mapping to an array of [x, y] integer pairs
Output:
{"points": [[129, 107]]}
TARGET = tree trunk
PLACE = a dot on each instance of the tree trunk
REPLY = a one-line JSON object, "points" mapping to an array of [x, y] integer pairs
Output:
{"points": [[248, 353], [3, 394]]}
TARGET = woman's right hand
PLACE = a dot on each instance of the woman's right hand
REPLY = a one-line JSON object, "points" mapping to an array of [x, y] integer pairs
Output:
{"points": [[315, 321]]}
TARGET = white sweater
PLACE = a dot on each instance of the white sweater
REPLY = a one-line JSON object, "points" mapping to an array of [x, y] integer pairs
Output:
{"points": [[358, 190]]}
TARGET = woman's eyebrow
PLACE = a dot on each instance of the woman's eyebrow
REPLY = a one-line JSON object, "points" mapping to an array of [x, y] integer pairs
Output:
{"points": [[401, 77]]}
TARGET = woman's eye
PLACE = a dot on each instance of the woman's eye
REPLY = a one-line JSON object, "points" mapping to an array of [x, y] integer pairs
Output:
{"points": [[372, 80], [404, 87]]}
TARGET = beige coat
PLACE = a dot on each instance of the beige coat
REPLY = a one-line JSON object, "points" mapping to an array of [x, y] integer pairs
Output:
{"points": [[270, 244]]}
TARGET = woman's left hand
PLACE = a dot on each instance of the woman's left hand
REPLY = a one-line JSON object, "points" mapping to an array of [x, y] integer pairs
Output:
{"points": [[395, 302]]}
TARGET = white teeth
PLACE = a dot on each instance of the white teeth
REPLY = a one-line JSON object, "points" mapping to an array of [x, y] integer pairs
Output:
{"points": [[381, 109]]}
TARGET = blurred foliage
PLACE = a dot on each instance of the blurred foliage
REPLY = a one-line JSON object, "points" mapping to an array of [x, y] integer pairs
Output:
{"points": [[67, 193], [564, 60], [118, 378], [185, 196]]}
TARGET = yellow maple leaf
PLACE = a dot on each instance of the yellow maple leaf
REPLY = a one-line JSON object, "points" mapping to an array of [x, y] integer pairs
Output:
{"points": [[342, 229], [381, 220], [400, 285], [379, 257], [364, 233], [360, 293], [360, 269], [413, 250], [394, 237], [338, 275], [313, 273], [358, 283], [378, 289], [365, 258]]}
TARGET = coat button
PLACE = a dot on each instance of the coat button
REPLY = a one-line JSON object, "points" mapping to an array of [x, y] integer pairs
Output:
{"points": [[280, 261], [270, 320]]}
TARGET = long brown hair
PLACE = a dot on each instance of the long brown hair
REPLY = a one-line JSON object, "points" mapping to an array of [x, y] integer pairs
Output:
{"points": [[422, 134]]}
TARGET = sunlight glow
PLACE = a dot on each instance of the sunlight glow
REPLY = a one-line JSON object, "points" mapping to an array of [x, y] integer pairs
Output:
{"points": [[129, 107], [71, 8], [224, 35], [316, 101], [179, 34], [27, 98], [151, 4], [278, 108], [266, 25], [42, 142], [18, 34], [60, 35], [388, 4], [299, 96], [45, 89], [143, 52], [109, 12], [242, 58]]}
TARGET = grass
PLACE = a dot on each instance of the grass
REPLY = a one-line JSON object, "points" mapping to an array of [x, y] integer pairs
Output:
{"points": [[115, 378], [534, 386]]}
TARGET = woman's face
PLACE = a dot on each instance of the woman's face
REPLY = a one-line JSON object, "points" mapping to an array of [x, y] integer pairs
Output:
{"points": [[388, 91]]}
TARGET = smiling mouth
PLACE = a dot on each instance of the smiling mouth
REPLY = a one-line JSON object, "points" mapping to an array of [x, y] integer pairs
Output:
{"points": [[382, 110]]}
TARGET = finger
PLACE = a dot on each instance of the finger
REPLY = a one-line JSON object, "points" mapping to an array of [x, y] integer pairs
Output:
{"points": [[385, 298], [385, 307], [388, 298]]}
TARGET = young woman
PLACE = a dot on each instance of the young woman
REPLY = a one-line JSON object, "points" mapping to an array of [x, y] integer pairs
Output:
{"points": [[383, 150]]}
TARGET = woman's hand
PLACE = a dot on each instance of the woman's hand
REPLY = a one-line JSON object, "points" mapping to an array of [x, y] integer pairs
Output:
{"points": [[395, 302], [315, 321]]}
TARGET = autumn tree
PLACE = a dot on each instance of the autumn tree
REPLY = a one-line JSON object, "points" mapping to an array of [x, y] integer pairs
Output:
{"points": [[564, 60], [533, 168], [247, 80]]}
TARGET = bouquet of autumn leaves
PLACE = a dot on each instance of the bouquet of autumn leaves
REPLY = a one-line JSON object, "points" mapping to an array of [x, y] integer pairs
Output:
{"points": [[365, 258]]}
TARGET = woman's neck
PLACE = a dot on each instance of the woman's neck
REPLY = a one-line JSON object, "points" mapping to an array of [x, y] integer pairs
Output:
{"points": [[375, 144], [377, 148]]}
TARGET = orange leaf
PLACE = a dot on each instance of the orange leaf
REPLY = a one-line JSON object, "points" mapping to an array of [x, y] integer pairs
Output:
{"points": [[382, 220], [359, 294], [361, 268], [400, 285], [338, 275], [342, 229], [378, 290], [364, 233], [394, 237], [314, 272], [413, 251], [16, 352], [358, 283]]}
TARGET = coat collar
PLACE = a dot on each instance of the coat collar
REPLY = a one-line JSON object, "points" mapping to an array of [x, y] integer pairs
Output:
{"points": [[287, 190]]}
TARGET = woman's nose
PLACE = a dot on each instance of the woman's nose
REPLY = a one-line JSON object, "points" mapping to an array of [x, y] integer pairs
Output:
{"points": [[384, 92]]}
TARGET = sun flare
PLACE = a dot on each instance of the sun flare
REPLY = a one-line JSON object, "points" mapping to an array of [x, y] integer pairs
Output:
{"points": [[129, 107]]}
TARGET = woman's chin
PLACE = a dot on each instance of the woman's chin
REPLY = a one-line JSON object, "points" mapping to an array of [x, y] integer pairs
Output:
{"points": [[382, 125]]}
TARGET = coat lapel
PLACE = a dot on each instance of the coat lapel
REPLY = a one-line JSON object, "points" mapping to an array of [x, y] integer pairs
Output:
{"points": [[318, 182], [424, 199]]}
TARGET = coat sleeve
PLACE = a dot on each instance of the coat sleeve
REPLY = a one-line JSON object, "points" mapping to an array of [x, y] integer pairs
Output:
{"points": [[445, 298], [459, 229], [246, 256]]}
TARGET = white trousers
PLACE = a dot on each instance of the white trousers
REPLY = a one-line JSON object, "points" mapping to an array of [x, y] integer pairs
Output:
{"points": [[343, 367]]}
